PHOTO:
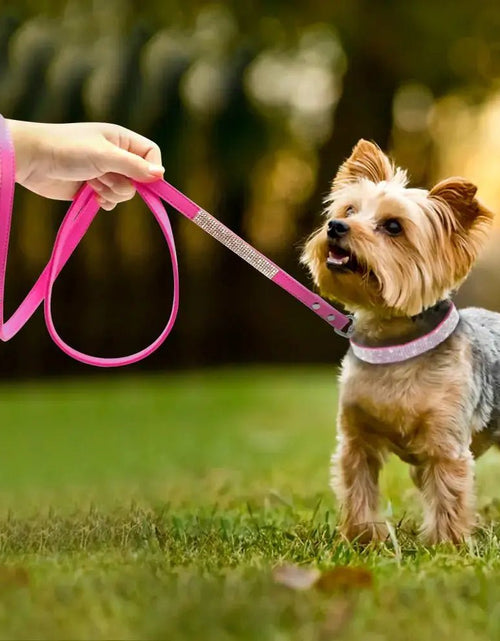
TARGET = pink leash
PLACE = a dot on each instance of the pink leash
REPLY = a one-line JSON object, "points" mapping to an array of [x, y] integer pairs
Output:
{"points": [[73, 227]]}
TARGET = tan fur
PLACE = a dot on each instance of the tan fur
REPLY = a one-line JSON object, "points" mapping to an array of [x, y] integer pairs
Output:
{"points": [[411, 408]]}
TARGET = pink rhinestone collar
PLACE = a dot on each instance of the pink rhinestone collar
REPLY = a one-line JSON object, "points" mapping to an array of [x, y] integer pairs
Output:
{"points": [[399, 353]]}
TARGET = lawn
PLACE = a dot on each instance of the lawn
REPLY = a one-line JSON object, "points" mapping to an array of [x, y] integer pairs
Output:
{"points": [[156, 507]]}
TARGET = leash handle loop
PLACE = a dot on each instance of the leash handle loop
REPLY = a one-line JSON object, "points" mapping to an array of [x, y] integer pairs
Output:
{"points": [[75, 224]]}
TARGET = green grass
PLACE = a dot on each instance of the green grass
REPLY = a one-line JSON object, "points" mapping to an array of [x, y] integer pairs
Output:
{"points": [[156, 507]]}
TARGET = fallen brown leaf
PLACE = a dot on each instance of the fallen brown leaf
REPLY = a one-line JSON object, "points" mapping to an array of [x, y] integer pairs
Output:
{"points": [[340, 578], [344, 578]]}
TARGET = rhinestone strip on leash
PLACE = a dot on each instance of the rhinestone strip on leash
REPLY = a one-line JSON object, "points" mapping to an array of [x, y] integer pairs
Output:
{"points": [[73, 228]]}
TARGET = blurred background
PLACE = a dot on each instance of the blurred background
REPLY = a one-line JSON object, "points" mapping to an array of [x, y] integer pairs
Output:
{"points": [[254, 104]]}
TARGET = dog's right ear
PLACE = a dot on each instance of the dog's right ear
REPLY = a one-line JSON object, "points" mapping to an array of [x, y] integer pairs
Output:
{"points": [[368, 161]]}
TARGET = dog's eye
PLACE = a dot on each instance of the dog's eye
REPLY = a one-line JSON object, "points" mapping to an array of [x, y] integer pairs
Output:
{"points": [[392, 227], [349, 211]]}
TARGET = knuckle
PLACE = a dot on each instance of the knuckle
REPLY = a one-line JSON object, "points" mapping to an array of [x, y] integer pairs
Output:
{"points": [[125, 188], [156, 150], [96, 185], [120, 185], [104, 192], [110, 181]]}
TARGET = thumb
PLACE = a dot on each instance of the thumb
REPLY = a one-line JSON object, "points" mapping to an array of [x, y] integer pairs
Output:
{"points": [[130, 165]]}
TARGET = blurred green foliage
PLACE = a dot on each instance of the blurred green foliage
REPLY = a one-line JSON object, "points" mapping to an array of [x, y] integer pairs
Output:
{"points": [[254, 104]]}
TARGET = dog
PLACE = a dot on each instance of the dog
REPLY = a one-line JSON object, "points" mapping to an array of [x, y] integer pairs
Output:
{"points": [[393, 255]]}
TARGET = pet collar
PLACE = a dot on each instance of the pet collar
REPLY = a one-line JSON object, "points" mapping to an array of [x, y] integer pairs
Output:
{"points": [[398, 353], [76, 222]]}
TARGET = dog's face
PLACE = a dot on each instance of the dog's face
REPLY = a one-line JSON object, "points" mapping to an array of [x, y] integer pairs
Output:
{"points": [[387, 247]]}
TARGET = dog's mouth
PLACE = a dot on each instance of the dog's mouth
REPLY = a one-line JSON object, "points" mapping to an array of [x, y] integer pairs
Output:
{"points": [[340, 259]]}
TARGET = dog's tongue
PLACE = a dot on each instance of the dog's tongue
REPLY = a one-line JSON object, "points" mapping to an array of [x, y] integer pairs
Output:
{"points": [[337, 257]]}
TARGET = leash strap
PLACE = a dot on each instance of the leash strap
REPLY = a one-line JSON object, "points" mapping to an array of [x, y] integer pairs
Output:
{"points": [[341, 323], [73, 228]]}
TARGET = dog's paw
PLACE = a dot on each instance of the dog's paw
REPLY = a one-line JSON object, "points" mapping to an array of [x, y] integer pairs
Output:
{"points": [[365, 533]]}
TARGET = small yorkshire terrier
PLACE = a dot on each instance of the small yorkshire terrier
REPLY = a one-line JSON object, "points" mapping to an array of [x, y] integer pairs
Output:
{"points": [[392, 255]]}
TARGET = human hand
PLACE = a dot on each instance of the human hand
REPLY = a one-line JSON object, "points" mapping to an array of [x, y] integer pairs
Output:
{"points": [[54, 160]]}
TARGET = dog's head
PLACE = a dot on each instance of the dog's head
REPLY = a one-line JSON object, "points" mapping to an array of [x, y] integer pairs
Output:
{"points": [[384, 245]]}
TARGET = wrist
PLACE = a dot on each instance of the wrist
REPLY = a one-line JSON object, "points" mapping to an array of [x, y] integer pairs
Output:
{"points": [[24, 143]]}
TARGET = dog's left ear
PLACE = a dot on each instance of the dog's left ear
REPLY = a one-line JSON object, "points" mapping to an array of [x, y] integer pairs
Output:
{"points": [[460, 195], [368, 161], [464, 218]]}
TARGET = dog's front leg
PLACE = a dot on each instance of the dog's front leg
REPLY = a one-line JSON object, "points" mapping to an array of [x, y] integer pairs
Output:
{"points": [[355, 471], [448, 492]]}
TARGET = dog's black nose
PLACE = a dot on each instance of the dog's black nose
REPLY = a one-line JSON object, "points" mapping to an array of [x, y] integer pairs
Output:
{"points": [[337, 228]]}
